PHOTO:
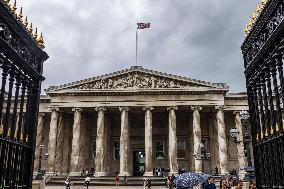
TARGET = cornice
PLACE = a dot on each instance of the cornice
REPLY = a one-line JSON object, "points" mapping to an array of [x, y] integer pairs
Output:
{"points": [[138, 69]]}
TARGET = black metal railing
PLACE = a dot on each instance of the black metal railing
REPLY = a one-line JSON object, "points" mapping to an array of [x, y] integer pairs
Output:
{"points": [[263, 52], [21, 62]]}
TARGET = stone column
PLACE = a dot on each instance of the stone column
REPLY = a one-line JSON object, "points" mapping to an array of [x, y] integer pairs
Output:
{"points": [[100, 143], [172, 140], [197, 138], [59, 145], [124, 143], [39, 135], [75, 155], [240, 145], [52, 141], [222, 141], [148, 142]]}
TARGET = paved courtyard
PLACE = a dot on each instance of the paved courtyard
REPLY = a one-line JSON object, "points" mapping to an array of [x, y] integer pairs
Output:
{"points": [[103, 187]]}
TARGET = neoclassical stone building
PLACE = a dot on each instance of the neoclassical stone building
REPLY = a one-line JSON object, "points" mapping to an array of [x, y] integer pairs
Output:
{"points": [[137, 119]]}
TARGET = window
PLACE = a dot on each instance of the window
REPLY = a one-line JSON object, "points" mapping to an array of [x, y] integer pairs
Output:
{"points": [[93, 149], [181, 148], [116, 150], [159, 149], [205, 150]]}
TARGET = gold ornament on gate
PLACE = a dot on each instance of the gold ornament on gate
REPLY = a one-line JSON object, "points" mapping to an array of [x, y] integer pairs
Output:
{"points": [[20, 16], [40, 41], [14, 8]]}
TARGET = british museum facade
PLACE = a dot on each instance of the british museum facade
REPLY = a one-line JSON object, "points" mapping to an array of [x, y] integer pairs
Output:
{"points": [[134, 120]]}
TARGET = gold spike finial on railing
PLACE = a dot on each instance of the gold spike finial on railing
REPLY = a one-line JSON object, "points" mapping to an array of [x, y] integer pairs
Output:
{"points": [[26, 23], [14, 7], [1, 130], [9, 133], [266, 132], [258, 9], [263, 2], [247, 29], [20, 16], [6, 2], [250, 23], [31, 28], [253, 16], [22, 137], [35, 34], [27, 138], [40, 41], [277, 128]]}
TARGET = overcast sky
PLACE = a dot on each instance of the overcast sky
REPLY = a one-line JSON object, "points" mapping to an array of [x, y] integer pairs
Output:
{"points": [[199, 39]]}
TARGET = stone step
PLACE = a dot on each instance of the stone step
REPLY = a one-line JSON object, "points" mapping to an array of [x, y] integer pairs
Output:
{"points": [[107, 181]]}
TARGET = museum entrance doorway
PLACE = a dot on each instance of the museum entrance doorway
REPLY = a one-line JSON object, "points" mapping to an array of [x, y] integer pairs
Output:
{"points": [[138, 162]]}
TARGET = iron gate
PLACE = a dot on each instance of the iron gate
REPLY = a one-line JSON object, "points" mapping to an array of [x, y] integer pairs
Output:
{"points": [[21, 61], [263, 51]]}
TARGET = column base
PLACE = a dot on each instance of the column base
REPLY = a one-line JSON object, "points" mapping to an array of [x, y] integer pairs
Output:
{"points": [[74, 174], [100, 174], [242, 176], [148, 174], [121, 174], [242, 173], [199, 172], [38, 184], [49, 173], [224, 174], [174, 173]]}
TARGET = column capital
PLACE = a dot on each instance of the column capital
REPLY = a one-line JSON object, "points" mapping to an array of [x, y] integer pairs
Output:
{"points": [[124, 108], [236, 112], [40, 114], [77, 109], [220, 107], [172, 108], [100, 108], [193, 108], [148, 108], [53, 109]]}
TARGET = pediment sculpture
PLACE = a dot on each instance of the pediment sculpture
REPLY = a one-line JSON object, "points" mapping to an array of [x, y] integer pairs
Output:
{"points": [[135, 81]]}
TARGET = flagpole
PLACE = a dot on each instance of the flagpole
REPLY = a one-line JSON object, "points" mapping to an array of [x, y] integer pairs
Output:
{"points": [[136, 47]]}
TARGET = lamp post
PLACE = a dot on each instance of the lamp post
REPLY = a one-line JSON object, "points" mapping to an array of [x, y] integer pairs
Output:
{"points": [[39, 175], [202, 154], [245, 116]]}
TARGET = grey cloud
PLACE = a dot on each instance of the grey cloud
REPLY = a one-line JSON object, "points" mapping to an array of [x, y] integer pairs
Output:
{"points": [[200, 39]]}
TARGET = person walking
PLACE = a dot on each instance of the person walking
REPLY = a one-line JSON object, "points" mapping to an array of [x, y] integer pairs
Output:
{"points": [[125, 179], [117, 180], [172, 179], [87, 182], [238, 184], [210, 184], [231, 183], [149, 184], [144, 183], [223, 184], [67, 183], [252, 184]]}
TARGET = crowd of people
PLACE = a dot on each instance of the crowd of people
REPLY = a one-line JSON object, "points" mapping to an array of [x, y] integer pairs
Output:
{"points": [[161, 171], [170, 180], [231, 183]]}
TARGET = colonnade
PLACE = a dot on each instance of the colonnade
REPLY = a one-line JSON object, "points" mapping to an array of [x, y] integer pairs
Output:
{"points": [[55, 145]]}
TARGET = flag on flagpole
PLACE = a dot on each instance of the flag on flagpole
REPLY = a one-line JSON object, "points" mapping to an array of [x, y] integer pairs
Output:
{"points": [[140, 26]]}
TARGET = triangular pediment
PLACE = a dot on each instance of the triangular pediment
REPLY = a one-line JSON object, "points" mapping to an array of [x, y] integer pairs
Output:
{"points": [[137, 78]]}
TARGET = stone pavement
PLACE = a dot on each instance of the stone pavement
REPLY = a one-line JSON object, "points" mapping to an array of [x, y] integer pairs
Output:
{"points": [[104, 187]]}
